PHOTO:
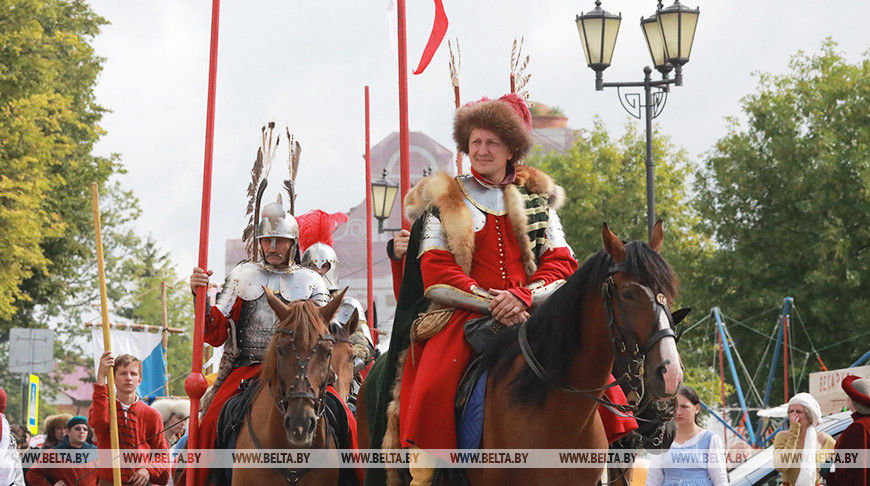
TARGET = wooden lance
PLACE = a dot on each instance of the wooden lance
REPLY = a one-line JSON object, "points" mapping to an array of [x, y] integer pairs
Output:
{"points": [[369, 234], [107, 341]]}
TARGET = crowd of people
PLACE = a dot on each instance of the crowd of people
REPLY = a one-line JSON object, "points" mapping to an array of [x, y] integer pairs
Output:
{"points": [[485, 245], [63, 459], [803, 455]]}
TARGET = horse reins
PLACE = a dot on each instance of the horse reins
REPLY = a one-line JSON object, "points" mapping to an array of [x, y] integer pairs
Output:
{"points": [[622, 340], [316, 396], [292, 476]]}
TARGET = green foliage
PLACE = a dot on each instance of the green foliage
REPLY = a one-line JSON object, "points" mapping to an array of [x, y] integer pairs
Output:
{"points": [[788, 199], [48, 125], [556, 111], [605, 181], [146, 269]]}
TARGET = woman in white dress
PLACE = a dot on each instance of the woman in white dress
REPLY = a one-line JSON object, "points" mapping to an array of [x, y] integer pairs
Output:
{"points": [[696, 456]]}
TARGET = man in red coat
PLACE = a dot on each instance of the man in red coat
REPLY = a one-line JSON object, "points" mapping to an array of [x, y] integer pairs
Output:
{"points": [[492, 244], [856, 436], [139, 426]]}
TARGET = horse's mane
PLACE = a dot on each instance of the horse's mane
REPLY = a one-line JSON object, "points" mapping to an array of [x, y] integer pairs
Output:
{"points": [[553, 328], [305, 321]]}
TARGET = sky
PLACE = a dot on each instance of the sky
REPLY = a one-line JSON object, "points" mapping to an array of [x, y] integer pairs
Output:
{"points": [[304, 65]]}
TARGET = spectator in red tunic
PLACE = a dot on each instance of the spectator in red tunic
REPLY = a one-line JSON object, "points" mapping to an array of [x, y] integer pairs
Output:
{"points": [[856, 436], [139, 426]]}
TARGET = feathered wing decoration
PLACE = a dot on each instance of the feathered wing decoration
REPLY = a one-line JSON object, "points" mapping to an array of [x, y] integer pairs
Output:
{"points": [[316, 226], [259, 175], [519, 78], [455, 63], [290, 184]]}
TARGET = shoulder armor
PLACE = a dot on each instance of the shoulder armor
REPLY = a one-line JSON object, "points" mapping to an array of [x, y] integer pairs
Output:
{"points": [[488, 199], [247, 279], [303, 283], [432, 237]]}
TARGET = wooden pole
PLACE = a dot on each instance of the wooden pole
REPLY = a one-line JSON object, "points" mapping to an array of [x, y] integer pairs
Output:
{"points": [[785, 355], [165, 339], [722, 384], [456, 102], [404, 138], [107, 341], [195, 383], [369, 234], [137, 327]]}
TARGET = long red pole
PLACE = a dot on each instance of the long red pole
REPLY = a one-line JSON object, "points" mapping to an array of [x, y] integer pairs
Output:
{"points": [[369, 236], [195, 383], [404, 140]]}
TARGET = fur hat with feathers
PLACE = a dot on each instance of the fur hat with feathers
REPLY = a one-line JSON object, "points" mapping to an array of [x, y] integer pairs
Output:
{"points": [[508, 117]]}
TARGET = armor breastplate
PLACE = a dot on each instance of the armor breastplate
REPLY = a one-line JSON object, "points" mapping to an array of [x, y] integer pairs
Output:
{"points": [[257, 320], [254, 330]]}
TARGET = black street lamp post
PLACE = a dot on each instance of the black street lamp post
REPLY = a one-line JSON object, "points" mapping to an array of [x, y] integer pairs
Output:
{"points": [[669, 34]]}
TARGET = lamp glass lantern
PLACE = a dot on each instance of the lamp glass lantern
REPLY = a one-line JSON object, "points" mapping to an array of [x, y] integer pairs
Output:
{"points": [[654, 41], [677, 24], [383, 198], [598, 30]]}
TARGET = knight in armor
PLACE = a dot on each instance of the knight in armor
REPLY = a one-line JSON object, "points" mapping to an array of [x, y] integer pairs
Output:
{"points": [[316, 243], [241, 319]]}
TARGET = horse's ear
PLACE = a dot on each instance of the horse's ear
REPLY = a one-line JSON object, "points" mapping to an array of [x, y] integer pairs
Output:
{"points": [[329, 309], [612, 244], [275, 303], [680, 314], [352, 323], [655, 240]]}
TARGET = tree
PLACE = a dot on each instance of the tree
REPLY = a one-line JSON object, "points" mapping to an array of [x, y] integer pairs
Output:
{"points": [[605, 181], [48, 126], [146, 269], [788, 200]]}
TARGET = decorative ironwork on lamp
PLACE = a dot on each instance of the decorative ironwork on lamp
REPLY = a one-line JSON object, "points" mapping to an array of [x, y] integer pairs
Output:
{"points": [[669, 35]]}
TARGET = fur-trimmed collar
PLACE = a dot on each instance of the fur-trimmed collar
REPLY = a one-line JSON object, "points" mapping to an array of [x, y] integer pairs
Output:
{"points": [[442, 191], [433, 188]]}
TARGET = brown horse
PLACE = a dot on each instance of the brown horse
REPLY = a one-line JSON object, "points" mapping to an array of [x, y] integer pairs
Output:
{"points": [[617, 298], [287, 410], [547, 376]]}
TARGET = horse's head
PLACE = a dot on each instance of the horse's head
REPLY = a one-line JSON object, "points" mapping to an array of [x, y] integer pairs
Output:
{"points": [[637, 293], [296, 368]]}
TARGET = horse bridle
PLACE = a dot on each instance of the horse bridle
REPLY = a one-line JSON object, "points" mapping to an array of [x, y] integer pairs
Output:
{"points": [[316, 396], [291, 475], [622, 341]]}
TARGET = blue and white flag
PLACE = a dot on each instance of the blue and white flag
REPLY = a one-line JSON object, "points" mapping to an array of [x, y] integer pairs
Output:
{"points": [[147, 346]]}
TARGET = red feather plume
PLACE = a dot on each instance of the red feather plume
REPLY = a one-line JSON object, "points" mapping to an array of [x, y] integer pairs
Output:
{"points": [[317, 226]]}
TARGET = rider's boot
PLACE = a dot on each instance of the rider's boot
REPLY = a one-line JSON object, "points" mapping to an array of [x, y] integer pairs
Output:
{"points": [[424, 469]]}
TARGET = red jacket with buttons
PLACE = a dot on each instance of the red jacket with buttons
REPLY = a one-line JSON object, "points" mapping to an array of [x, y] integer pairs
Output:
{"points": [[139, 427]]}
